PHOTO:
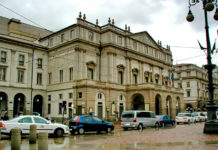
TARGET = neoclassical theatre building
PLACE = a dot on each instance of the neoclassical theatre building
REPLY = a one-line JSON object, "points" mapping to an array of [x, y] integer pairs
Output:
{"points": [[104, 70]]}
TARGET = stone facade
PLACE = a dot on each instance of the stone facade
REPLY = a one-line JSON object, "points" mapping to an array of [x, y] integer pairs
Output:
{"points": [[19, 57], [194, 81], [86, 68], [105, 70]]}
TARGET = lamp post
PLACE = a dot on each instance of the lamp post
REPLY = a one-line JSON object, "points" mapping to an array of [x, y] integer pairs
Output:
{"points": [[1, 98], [211, 125]]}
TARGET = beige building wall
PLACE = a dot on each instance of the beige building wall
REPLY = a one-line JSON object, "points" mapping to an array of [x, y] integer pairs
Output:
{"points": [[78, 47]]}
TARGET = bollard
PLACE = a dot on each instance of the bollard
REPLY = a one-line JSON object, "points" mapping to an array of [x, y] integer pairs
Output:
{"points": [[15, 139], [43, 141], [32, 138]]}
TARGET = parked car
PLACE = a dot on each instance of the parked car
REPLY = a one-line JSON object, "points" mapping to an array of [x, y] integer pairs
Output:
{"points": [[199, 116], [216, 114], [138, 119], [88, 123], [165, 120], [205, 114], [23, 122], [185, 118]]}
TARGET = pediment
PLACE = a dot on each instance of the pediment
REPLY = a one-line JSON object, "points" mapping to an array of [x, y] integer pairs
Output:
{"points": [[145, 37]]}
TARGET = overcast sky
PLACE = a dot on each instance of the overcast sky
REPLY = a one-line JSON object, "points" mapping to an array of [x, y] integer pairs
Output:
{"points": [[164, 20]]}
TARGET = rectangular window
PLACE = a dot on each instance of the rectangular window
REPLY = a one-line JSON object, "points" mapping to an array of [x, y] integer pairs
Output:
{"points": [[60, 96], [146, 50], [50, 42], [20, 78], [90, 73], [49, 108], [49, 78], [39, 62], [80, 95], [156, 53], [188, 93], [49, 97], [135, 79], [3, 56], [21, 60], [188, 84], [120, 79], [90, 36], [61, 75], [135, 45], [2, 74], [188, 74], [60, 108], [70, 95], [62, 38], [70, 73], [39, 79], [119, 40], [72, 34]]}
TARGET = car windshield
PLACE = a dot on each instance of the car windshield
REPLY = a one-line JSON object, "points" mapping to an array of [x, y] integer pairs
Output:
{"points": [[158, 116], [188, 115], [180, 115], [128, 115]]}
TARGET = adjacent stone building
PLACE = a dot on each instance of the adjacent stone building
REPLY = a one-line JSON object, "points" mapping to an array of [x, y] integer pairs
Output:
{"points": [[194, 81], [23, 68], [86, 68]]}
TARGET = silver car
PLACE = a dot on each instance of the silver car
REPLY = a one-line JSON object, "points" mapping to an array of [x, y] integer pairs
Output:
{"points": [[138, 119]]}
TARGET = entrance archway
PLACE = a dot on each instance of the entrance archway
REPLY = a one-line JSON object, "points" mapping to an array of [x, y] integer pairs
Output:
{"points": [[138, 102], [3, 104], [158, 105], [37, 104], [178, 105], [19, 106], [169, 106]]}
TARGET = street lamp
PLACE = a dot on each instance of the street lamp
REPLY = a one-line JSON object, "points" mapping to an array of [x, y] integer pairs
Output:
{"points": [[211, 125]]}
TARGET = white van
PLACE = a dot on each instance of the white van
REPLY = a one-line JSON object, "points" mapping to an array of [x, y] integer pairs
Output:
{"points": [[138, 119]]}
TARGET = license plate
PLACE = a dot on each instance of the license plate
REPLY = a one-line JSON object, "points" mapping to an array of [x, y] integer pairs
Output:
{"points": [[127, 124]]}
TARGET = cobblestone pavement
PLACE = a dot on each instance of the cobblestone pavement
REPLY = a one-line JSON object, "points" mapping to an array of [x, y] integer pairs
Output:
{"points": [[181, 137]]}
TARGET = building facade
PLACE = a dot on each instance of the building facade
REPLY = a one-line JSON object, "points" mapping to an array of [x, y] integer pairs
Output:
{"points": [[86, 68], [23, 70], [194, 81], [105, 70]]}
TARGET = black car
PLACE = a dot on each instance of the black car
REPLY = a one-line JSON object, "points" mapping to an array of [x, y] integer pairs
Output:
{"points": [[89, 123]]}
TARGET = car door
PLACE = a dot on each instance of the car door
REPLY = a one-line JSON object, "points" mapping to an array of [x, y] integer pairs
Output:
{"points": [[88, 123], [152, 119], [24, 124], [166, 119], [42, 125], [99, 124]]}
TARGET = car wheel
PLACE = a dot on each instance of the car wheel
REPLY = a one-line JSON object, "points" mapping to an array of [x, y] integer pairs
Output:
{"points": [[140, 127], [108, 130], [81, 131], [59, 132], [72, 132], [156, 125]]}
